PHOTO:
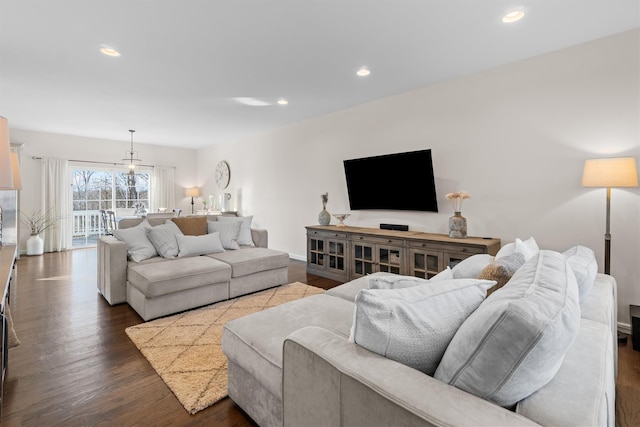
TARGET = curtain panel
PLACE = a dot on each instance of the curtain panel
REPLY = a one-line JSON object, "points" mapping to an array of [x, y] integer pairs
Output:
{"points": [[56, 197], [163, 192]]}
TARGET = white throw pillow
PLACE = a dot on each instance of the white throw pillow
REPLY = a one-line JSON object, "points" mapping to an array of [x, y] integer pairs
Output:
{"points": [[470, 268], [229, 232], [244, 238], [529, 248], [199, 245], [163, 238], [139, 247], [413, 326], [515, 342], [399, 282], [583, 262]]}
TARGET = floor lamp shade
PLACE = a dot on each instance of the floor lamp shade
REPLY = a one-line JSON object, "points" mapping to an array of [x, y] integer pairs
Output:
{"points": [[608, 173], [6, 174]]}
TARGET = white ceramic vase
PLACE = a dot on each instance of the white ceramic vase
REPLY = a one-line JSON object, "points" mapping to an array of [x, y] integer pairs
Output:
{"points": [[35, 245]]}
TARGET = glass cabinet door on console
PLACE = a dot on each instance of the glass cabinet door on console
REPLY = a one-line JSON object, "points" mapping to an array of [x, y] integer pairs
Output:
{"points": [[373, 254], [363, 259], [327, 254], [424, 263]]}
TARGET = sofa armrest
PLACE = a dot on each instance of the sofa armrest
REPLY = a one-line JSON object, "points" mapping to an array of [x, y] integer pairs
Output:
{"points": [[330, 381], [112, 269], [260, 237]]}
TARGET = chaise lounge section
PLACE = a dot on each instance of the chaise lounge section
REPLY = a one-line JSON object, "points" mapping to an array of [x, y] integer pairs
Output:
{"points": [[295, 365]]}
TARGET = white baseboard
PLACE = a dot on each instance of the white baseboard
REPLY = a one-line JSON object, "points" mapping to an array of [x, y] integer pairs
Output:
{"points": [[625, 328], [298, 257]]}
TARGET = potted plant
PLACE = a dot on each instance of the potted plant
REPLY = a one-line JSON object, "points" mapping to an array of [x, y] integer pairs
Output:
{"points": [[36, 223]]}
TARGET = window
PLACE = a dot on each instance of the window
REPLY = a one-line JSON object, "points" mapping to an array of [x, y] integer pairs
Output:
{"points": [[101, 189]]}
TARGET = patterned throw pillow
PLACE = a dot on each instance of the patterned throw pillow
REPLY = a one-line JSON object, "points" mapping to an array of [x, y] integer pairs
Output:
{"points": [[501, 270]]}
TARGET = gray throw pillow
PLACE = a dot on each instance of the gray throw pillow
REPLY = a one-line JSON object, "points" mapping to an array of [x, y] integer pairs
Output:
{"points": [[414, 325], [199, 245], [244, 238], [515, 342], [583, 262], [139, 247], [470, 267], [229, 232], [163, 238], [398, 282]]}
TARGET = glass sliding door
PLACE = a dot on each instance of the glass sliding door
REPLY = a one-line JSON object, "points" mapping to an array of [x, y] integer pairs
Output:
{"points": [[96, 189]]}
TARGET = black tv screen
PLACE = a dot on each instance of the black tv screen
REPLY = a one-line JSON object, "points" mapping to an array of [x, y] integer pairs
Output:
{"points": [[402, 181]]}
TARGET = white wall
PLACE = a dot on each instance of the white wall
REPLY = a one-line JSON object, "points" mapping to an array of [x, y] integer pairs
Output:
{"points": [[515, 137], [68, 147]]}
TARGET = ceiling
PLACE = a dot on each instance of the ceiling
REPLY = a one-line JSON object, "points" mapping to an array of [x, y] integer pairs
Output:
{"points": [[183, 63]]}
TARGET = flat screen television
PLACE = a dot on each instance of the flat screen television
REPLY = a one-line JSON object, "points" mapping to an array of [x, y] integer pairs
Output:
{"points": [[402, 181]]}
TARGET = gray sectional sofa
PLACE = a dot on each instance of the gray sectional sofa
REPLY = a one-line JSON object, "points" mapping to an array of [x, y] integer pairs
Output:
{"points": [[157, 286], [295, 365]]}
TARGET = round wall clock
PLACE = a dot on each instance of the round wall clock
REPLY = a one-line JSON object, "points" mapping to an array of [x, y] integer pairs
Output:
{"points": [[223, 174]]}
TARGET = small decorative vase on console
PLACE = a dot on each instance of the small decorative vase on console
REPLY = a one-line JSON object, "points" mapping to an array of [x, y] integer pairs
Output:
{"points": [[457, 226], [35, 245], [324, 217]]}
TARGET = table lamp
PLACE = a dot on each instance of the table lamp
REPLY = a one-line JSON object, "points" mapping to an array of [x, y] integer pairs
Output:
{"points": [[192, 192], [608, 173]]}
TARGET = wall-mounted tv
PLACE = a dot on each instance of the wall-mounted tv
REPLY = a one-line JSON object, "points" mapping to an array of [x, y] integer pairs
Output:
{"points": [[402, 181]]}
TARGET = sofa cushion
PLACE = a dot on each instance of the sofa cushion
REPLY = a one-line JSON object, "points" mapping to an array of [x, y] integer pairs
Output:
{"points": [[582, 393], [163, 238], [414, 325], [255, 341], [139, 247], [192, 225], [514, 343], [528, 248], [229, 232], [501, 270], [470, 268], [244, 238], [252, 260], [583, 262], [174, 275], [399, 282], [599, 304], [199, 245], [349, 290]]}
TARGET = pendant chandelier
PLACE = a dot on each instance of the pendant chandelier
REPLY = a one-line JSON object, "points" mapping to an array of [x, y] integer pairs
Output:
{"points": [[132, 157]]}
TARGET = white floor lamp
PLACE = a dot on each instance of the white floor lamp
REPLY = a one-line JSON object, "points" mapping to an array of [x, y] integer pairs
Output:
{"points": [[608, 173]]}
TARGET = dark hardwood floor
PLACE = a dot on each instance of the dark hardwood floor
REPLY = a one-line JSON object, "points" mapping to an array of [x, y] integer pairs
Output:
{"points": [[77, 367]]}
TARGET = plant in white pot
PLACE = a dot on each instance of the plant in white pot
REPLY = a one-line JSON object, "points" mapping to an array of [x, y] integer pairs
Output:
{"points": [[36, 223]]}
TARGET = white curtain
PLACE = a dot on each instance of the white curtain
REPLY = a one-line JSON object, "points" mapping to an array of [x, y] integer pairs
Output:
{"points": [[56, 197], [163, 191]]}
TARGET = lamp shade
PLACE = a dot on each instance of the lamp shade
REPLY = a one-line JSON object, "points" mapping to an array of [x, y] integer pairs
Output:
{"points": [[15, 166], [192, 192], [610, 172], [6, 175]]}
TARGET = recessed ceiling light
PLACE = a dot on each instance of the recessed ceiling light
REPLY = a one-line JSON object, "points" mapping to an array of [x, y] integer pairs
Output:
{"points": [[282, 101], [363, 72], [109, 51], [513, 16]]}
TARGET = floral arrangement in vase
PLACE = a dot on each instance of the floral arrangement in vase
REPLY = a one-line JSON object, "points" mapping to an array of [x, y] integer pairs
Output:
{"points": [[457, 223], [456, 199]]}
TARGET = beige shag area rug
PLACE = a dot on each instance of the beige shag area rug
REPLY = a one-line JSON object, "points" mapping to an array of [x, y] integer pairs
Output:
{"points": [[185, 350]]}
